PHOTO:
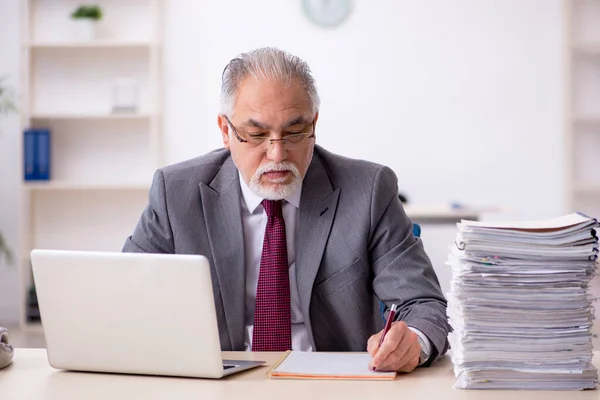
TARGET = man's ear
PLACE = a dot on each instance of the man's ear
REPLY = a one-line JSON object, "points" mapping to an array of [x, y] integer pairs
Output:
{"points": [[224, 127]]}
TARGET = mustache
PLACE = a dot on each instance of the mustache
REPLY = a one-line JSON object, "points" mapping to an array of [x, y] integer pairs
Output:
{"points": [[277, 167]]}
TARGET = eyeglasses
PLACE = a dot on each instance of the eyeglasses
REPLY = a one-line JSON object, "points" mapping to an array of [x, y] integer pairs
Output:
{"points": [[290, 141]]}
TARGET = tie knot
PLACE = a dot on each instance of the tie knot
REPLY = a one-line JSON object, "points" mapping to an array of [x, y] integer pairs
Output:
{"points": [[273, 208]]}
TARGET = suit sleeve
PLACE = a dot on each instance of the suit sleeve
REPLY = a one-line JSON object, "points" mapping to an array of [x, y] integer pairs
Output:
{"points": [[403, 273], [153, 233]]}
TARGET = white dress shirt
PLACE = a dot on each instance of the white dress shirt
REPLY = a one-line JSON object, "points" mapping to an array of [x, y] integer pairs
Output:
{"points": [[254, 219]]}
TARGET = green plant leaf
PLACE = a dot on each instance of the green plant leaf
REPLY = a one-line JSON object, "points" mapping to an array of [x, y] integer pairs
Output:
{"points": [[7, 98], [5, 251], [93, 12]]}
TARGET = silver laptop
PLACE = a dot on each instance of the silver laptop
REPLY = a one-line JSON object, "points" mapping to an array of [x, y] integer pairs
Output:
{"points": [[130, 313]]}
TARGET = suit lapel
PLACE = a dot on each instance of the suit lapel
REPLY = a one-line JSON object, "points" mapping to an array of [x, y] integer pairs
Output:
{"points": [[318, 206], [222, 214]]}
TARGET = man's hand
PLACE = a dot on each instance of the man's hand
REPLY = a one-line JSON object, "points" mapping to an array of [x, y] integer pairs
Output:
{"points": [[399, 351]]}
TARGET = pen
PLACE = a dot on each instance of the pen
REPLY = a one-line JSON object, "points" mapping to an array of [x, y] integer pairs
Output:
{"points": [[388, 323]]}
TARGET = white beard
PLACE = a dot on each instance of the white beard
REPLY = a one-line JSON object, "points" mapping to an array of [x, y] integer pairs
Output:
{"points": [[278, 191]]}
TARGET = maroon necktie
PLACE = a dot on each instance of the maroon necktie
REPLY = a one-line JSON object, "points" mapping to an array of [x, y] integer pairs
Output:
{"points": [[272, 311]]}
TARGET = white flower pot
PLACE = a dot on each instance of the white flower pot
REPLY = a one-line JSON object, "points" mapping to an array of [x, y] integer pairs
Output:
{"points": [[84, 29]]}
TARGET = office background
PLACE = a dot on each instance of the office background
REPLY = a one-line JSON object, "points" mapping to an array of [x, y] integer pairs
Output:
{"points": [[465, 100]]}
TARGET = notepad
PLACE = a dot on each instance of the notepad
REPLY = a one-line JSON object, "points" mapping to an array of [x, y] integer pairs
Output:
{"points": [[313, 365]]}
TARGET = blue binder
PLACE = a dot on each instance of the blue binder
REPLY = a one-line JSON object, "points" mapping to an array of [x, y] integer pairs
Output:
{"points": [[37, 154], [29, 144], [43, 154]]}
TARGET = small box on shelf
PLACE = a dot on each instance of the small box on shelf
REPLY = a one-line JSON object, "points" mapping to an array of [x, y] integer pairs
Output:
{"points": [[125, 96]]}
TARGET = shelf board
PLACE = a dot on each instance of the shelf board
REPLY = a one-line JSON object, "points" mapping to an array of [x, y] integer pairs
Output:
{"points": [[587, 48], [96, 44], [57, 186], [78, 117], [586, 119], [587, 188]]}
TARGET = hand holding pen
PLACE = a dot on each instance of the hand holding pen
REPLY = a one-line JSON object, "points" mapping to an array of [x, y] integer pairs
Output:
{"points": [[395, 348]]}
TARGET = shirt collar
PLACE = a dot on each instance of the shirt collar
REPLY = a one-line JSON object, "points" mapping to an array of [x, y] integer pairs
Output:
{"points": [[253, 200]]}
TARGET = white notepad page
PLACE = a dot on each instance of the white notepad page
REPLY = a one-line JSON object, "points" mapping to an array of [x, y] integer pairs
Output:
{"points": [[314, 363]]}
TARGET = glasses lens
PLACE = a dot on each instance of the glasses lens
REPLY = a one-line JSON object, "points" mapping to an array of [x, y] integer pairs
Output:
{"points": [[295, 139], [263, 144], [256, 141]]}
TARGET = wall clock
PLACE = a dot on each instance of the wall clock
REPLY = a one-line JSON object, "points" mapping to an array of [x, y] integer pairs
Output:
{"points": [[327, 13]]}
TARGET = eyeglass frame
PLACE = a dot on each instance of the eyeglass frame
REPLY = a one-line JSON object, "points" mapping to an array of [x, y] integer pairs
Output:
{"points": [[284, 140]]}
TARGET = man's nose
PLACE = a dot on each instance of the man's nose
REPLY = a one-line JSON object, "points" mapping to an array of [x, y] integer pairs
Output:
{"points": [[277, 151]]}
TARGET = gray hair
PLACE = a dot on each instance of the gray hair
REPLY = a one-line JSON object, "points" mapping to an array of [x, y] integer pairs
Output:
{"points": [[266, 63]]}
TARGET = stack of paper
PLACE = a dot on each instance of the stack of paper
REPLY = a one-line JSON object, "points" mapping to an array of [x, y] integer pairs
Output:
{"points": [[519, 304]]}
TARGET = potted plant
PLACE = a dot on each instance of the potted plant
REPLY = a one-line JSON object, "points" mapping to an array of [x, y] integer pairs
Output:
{"points": [[7, 106], [85, 19]]}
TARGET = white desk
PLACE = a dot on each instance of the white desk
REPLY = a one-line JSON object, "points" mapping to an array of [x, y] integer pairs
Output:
{"points": [[31, 378], [440, 214]]}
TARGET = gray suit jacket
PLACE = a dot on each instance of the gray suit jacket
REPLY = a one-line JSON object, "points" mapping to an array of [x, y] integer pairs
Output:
{"points": [[354, 244]]}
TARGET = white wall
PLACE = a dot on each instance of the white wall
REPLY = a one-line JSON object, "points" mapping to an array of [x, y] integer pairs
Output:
{"points": [[9, 168], [461, 98]]}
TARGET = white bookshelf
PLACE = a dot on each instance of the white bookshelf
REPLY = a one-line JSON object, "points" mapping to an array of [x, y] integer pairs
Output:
{"points": [[582, 116], [582, 93], [102, 161]]}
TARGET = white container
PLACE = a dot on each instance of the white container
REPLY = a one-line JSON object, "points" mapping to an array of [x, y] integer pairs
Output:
{"points": [[84, 29], [125, 95]]}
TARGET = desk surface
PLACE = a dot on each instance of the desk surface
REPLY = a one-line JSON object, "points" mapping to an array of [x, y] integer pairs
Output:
{"points": [[440, 214], [30, 377]]}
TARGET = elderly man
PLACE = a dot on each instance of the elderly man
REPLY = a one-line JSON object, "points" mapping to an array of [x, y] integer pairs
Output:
{"points": [[300, 241]]}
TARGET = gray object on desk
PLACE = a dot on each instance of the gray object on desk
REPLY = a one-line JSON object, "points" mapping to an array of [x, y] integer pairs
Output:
{"points": [[6, 350]]}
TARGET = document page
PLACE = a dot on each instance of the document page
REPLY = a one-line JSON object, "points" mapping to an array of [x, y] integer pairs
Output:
{"points": [[307, 365]]}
